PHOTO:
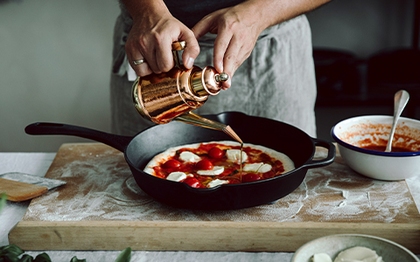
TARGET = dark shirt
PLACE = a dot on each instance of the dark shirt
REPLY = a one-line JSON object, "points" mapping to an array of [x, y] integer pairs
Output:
{"points": [[191, 11]]}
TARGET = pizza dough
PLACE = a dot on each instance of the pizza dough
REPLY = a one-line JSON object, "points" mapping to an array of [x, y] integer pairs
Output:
{"points": [[232, 155]]}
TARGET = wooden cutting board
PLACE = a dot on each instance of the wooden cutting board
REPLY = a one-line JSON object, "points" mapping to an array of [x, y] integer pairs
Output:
{"points": [[102, 208]]}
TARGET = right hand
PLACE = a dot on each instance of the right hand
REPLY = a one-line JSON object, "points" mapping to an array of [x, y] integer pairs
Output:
{"points": [[151, 39]]}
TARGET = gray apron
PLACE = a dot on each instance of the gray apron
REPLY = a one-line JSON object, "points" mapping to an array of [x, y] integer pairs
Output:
{"points": [[277, 81]]}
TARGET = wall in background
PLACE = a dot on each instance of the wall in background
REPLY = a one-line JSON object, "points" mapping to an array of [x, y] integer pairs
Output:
{"points": [[363, 27], [55, 58]]}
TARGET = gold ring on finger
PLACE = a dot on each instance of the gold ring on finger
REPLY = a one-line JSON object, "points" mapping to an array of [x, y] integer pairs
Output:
{"points": [[138, 62]]}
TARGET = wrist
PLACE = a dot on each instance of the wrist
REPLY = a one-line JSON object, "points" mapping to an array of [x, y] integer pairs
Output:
{"points": [[137, 8], [254, 13]]}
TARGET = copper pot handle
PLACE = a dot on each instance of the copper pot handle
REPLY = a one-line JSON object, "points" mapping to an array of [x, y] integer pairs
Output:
{"points": [[176, 47]]}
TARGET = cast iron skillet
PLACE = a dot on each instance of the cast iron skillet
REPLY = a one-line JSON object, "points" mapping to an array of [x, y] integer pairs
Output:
{"points": [[138, 150]]}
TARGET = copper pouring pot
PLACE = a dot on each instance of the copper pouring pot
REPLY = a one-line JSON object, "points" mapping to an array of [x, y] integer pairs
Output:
{"points": [[173, 95]]}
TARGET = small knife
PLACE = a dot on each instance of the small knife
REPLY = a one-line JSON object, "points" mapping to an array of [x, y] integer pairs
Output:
{"points": [[21, 186]]}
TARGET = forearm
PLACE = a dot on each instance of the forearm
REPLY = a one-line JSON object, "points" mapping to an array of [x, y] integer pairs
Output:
{"points": [[267, 13], [139, 7]]}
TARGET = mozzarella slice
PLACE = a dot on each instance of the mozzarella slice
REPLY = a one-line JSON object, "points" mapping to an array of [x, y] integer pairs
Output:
{"points": [[234, 155], [217, 170], [257, 167], [176, 176], [217, 182], [189, 157], [358, 254]]}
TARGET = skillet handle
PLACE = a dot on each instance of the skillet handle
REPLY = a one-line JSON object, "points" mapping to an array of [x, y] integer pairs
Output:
{"points": [[41, 128], [322, 162]]}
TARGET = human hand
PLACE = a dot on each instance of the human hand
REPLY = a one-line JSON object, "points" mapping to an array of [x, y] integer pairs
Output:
{"points": [[237, 32], [150, 40]]}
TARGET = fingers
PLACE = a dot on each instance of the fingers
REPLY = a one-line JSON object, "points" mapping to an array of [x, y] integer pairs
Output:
{"points": [[139, 64], [224, 52], [148, 56], [162, 55], [228, 55], [150, 39], [141, 67], [162, 61], [191, 51], [157, 58]]}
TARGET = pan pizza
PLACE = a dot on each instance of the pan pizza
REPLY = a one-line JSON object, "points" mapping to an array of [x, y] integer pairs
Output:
{"points": [[206, 165]]}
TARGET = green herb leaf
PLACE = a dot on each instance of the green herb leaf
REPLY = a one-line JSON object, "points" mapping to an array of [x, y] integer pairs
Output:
{"points": [[3, 199], [11, 249], [9, 258], [26, 258], [11, 253], [75, 259], [43, 257], [124, 256]]}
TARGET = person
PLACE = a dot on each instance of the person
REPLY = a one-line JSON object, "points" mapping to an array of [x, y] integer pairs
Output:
{"points": [[263, 45]]}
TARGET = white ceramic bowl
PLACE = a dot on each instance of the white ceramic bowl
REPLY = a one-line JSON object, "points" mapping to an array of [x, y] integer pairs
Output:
{"points": [[334, 244], [354, 133]]}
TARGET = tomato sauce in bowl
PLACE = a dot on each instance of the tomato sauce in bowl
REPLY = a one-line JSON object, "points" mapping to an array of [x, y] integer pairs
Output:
{"points": [[382, 148], [362, 141]]}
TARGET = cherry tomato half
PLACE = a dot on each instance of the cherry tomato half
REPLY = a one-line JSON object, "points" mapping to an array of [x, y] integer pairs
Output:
{"points": [[250, 177], [204, 164], [216, 152], [159, 172], [192, 182], [171, 164]]}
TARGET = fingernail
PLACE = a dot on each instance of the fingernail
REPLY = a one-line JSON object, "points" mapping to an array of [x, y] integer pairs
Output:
{"points": [[189, 63]]}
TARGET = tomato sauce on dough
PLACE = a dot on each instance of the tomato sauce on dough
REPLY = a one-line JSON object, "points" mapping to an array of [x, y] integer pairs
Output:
{"points": [[214, 154]]}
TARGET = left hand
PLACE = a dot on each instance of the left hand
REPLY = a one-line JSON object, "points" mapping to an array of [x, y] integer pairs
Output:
{"points": [[239, 26], [237, 32]]}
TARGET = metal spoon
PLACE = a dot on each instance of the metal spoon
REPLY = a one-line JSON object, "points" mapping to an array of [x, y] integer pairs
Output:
{"points": [[400, 101]]}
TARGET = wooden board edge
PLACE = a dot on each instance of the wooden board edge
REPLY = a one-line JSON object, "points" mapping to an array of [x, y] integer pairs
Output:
{"points": [[417, 207], [196, 236]]}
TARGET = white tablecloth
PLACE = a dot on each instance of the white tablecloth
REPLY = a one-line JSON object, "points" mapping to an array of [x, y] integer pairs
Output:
{"points": [[38, 164]]}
